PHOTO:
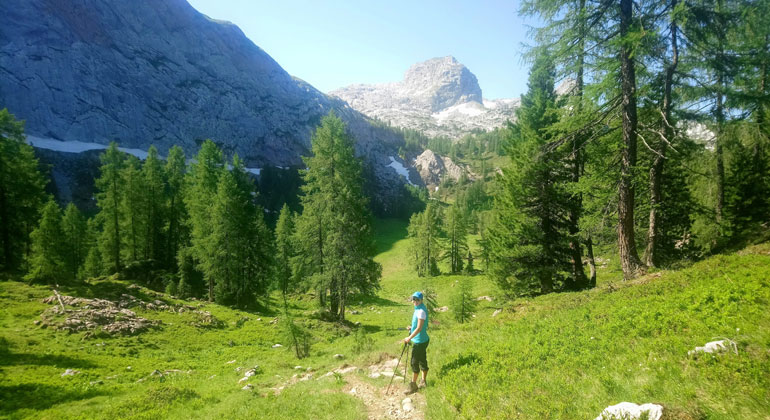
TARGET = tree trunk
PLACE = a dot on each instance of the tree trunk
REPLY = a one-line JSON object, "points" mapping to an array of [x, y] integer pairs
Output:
{"points": [[5, 231], [656, 171], [591, 261], [719, 153], [578, 274], [629, 258]]}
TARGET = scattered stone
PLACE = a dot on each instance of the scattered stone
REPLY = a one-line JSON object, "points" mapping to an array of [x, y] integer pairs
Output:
{"points": [[487, 298], [496, 312], [90, 314], [97, 382], [230, 362], [720, 346], [275, 346], [128, 367], [442, 309], [36, 322], [631, 411], [230, 343], [248, 387], [212, 376], [353, 391], [357, 324], [339, 356], [275, 320], [406, 405], [259, 319], [375, 375], [70, 372], [298, 367], [238, 369], [355, 312]]}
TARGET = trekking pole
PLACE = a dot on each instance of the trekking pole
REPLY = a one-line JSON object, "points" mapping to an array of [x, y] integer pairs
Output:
{"points": [[395, 369], [408, 360]]}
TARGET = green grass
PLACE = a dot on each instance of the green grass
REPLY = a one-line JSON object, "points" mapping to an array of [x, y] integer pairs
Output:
{"points": [[563, 356]]}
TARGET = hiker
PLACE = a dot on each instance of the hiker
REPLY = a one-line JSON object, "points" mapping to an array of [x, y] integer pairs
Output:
{"points": [[419, 338]]}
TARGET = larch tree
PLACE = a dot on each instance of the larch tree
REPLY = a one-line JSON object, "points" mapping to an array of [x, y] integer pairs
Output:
{"points": [[155, 206], [456, 238], [46, 261], [75, 234], [21, 192], [200, 196], [108, 198], [333, 197], [284, 249], [176, 234], [134, 210]]}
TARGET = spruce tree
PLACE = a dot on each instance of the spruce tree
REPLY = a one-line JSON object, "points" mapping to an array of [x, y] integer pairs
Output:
{"points": [[21, 192], [530, 239], [46, 261], [108, 198], [463, 303], [75, 235]]}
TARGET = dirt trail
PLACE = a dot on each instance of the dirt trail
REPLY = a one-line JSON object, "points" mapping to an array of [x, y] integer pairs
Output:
{"points": [[380, 406]]}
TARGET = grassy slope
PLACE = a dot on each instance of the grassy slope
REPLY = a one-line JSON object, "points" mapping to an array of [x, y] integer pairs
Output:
{"points": [[561, 356]]}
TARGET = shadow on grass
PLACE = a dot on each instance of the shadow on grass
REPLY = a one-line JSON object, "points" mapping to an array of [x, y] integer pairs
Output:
{"points": [[39, 396], [387, 232], [11, 359], [104, 289], [458, 362], [374, 300]]}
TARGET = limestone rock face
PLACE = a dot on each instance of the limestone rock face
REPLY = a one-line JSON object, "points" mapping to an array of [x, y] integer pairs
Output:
{"points": [[433, 168], [439, 96], [159, 72]]}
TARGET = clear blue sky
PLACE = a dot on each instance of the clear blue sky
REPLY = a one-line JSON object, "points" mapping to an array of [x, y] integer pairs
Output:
{"points": [[334, 43]]}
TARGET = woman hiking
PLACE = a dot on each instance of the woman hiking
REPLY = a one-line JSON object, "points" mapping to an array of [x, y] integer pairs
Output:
{"points": [[419, 338]]}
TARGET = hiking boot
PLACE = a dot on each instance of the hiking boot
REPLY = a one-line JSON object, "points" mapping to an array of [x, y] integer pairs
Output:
{"points": [[422, 384], [412, 388]]}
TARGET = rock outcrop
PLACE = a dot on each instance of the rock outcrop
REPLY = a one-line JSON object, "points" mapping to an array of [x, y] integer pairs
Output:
{"points": [[439, 96], [161, 73], [433, 168]]}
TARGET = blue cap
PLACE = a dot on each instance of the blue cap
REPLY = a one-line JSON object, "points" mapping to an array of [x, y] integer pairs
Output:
{"points": [[417, 295]]}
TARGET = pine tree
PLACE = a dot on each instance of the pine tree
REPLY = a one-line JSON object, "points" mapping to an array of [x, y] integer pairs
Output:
{"points": [[200, 196], [75, 235], [21, 192], [342, 239], [284, 249], [108, 199], [92, 265], [46, 262]]}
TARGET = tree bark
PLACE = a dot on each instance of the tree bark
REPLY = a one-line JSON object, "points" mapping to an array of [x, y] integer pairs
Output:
{"points": [[591, 261], [629, 258], [656, 170]]}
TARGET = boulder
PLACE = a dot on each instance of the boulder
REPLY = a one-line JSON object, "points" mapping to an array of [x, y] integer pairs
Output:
{"points": [[713, 347], [631, 411]]}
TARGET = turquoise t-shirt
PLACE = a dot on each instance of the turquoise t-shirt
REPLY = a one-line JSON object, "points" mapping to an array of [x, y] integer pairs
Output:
{"points": [[420, 311]]}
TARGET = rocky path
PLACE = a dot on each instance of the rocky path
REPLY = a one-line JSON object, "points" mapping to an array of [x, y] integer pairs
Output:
{"points": [[380, 406]]}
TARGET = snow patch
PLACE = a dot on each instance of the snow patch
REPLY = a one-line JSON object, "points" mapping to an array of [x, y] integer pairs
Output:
{"points": [[254, 171], [399, 168], [471, 109], [78, 146]]}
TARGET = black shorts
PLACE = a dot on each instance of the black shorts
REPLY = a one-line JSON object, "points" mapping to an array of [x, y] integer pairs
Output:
{"points": [[419, 357]]}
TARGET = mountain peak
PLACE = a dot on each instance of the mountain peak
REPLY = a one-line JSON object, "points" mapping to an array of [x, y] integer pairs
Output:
{"points": [[442, 82], [439, 96]]}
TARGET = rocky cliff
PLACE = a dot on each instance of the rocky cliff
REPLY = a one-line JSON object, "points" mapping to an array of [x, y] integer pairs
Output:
{"points": [[439, 96], [158, 72]]}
